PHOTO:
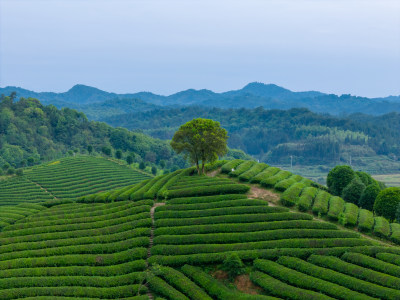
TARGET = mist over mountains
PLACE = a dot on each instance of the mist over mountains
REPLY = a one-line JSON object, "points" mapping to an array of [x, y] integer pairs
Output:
{"points": [[270, 96]]}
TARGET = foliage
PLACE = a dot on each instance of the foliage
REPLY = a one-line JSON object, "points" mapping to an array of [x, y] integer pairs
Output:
{"points": [[386, 203], [200, 140], [338, 178], [368, 196], [233, 265], [353, 191]]}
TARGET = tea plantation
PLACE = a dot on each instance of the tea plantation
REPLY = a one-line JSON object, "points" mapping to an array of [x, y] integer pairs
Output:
{"points": [[125, 235]]}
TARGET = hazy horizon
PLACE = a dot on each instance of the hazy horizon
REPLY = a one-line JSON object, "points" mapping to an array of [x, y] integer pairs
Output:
{"points": [[331, 46]]}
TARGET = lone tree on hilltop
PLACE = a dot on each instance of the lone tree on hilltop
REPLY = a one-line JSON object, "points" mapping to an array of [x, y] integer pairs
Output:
{"points": [[200, 140]]}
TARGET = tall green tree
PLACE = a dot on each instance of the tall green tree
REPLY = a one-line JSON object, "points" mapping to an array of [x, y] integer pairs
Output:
{"points": [[338, 178], [201, 141]]}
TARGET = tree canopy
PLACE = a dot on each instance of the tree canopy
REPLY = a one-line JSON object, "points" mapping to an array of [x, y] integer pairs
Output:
{"points": [[200, 140]]}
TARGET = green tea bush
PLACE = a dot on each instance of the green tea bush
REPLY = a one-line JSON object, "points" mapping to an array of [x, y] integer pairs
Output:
{"points": [[381, 227], [161, 287], [291, 195], [243, 167], [268, 172], [287, 183], [321, 203], [365, 220], [206, 199], [209, 190], [271, 181], [226, 168], [306, 199], [351, 214], [253, 171], [395, 232], [336, 207]]}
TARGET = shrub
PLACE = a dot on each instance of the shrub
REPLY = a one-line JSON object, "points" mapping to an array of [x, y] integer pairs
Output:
{"points": [[19, 172], [365, 220], [307, 197], [353, 191], [271, 171], [10, 171], [209, 190], [226, 168], [362, 273], [321, 203], [336, 207], [280, 289], [142, 165], [381, 227], [287, 183], [350, 214], [386, 203], [278, 270], [233, 265], [369, 195], [329, 275], [365, 178], [253, 171], [395, 232], [291, 195], [338, 178], [161, 287], [271, 181], [243, 167]]}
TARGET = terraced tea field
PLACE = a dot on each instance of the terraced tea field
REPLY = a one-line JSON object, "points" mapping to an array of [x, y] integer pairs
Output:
{"points": [[67, 179], [167, 237]]}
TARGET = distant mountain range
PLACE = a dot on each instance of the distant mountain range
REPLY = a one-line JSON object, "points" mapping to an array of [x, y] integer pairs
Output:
{"points": [[98, 104]]}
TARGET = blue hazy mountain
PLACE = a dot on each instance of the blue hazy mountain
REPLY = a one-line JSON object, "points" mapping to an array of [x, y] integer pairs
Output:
{"points": [[253, 95]]}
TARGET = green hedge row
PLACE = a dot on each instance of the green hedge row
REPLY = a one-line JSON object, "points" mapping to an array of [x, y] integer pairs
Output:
{"points": [[238, 210], [113, 270], [351, 214], [266, 235], [217, 289], [271, 181], [72, 227], [128, 224], [226, 168], [336, 207], [127, 194], [245, 218], [183, 284], [76, 260], [206, 199], [306, 199], [350, 282], [61, 281], [140, 193], [155, 188], [125, 211], [242, 227], [99, 239], [247, 255], [280, 289], [365, 220], [161, 287], [219, 204], [381, 227], [362, 273], [215, 165], [321, 203], [209, 190], [243, 167], [253, 171], [74, 291], [196, 183], [389, 257], [302, 283], [372, 263], [286, 269], [291, 195], [289, 243], [101, 248], [287, 183], [395, 232], [268, 172]]}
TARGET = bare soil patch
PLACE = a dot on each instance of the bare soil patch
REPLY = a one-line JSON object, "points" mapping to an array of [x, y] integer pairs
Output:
{"points": [[220, 275], [245, 285], [260, 193]]}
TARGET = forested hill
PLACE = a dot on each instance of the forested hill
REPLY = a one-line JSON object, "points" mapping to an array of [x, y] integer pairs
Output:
{"points": [[31, 132], [251, 96], [274, 135]]}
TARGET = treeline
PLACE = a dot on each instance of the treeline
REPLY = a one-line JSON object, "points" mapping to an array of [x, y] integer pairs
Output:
{"points": [[31, 133], [275, 135]]}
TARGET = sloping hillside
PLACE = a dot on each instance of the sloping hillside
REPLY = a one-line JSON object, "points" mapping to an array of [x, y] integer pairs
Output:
{"points": [[180, 236]]}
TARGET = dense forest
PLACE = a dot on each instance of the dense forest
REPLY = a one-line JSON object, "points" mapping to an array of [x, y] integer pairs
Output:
{"points": [[275, 135]]}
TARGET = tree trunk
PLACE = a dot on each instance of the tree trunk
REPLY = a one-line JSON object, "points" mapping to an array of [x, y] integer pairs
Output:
{"points": [[202, 168], [197, 167]]}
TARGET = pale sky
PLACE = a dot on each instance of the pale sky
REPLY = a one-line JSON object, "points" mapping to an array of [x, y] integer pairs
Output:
{"points": [[162, 46]]}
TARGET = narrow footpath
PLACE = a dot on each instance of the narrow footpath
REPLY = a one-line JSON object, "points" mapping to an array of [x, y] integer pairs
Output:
{"points": [[149, 294], [42, 188]]}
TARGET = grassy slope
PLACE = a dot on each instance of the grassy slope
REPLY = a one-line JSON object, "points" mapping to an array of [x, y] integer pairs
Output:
{"points": [[103, 250]]}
